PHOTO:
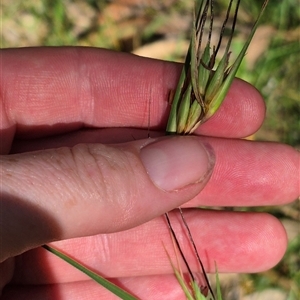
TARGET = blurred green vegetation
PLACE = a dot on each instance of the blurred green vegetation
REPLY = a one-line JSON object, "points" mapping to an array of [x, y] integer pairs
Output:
{"points": [[276, 74], [127, 27]]}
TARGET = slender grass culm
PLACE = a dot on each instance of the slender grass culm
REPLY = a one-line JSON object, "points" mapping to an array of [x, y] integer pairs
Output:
{"points": [[202, 87]]}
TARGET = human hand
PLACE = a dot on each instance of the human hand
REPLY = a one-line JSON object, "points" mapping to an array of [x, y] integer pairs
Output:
{"points": [[83, 196]]}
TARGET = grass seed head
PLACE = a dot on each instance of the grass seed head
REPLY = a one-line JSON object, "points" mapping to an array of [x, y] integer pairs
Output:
{"points": [[204, 83]]}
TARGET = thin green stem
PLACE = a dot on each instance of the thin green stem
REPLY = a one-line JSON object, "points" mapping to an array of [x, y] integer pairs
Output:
{"points": [[101, 280]]}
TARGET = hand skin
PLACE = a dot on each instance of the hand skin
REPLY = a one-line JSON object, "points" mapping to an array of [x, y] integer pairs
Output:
{"points": [[66, 105]]}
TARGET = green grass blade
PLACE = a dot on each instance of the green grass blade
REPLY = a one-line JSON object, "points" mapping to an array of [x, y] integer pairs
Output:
{"points": [[193, 118], [204, 72], [217, 79], [218, 286], [99, 279], [197, 293], [183, 111], [172, 120], [194, 64], [183, 285], [220, 95], [171, 127]]}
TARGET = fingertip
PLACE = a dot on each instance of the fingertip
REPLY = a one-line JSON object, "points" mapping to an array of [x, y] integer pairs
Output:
{"points": [[244, 242], [272, 240], [265, 243]]}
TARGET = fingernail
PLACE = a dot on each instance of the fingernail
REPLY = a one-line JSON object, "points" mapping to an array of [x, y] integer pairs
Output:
{"points": [[174, 163]]}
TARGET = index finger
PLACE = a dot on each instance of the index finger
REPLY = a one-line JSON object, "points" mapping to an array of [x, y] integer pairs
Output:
{"points": [[50, 90]]}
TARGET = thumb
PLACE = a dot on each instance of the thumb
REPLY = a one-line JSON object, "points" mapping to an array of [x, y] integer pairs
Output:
{"points": [[93, 188]]}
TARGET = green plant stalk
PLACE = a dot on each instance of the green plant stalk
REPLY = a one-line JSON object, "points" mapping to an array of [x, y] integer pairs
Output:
{"points": [[191, 290], [218, 285], [102, 281]]}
